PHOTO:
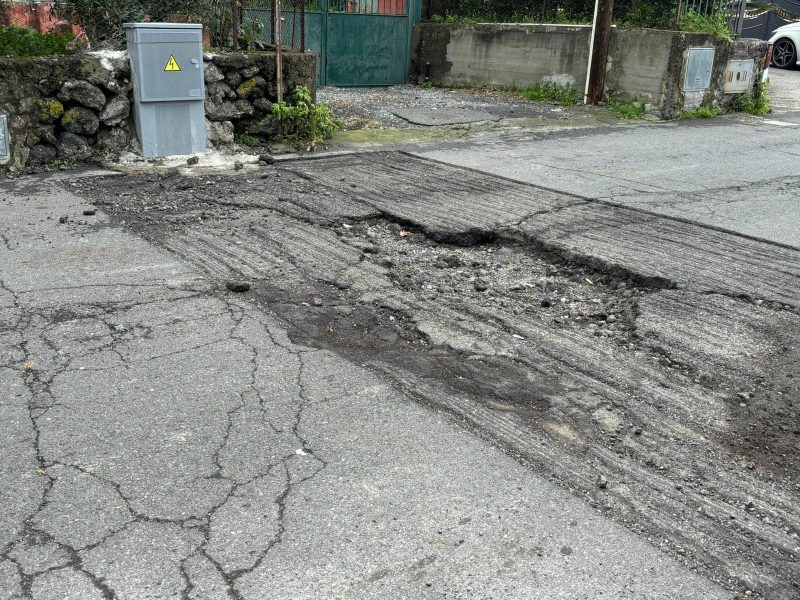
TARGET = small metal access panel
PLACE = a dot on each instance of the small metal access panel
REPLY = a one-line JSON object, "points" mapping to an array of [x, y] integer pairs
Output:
{"points": [[168, 89], [739, 76], [5, 141], [699, 64]]}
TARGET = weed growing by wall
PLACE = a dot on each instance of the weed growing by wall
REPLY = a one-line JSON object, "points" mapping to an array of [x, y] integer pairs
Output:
{"points": [[757, 103], [627, 110], [302, 122], [244, 139], [548, 91], [702, 112]]}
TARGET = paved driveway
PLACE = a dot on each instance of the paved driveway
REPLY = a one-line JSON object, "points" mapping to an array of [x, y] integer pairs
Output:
{"points": [[784, 90]]}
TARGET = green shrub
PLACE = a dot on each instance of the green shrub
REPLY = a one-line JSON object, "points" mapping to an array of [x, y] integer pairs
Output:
{"points": [[548, 91], [648, 14], [244, 139], [302, 122], [25, 42], [716, 23], [701, 112], [658, 14], [103, 19], [454, 19], [757, 103], [557, 16]]}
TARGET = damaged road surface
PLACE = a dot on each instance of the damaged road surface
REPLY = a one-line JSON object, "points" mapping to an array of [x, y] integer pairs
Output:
{"points": [[439, 384]]}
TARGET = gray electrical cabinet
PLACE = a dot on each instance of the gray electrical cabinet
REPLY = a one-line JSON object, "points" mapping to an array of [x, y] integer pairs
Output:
{"points": [[168, 88]]}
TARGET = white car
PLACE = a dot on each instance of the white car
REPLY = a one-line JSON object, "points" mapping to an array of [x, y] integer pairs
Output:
{"points": [[785, 44]]}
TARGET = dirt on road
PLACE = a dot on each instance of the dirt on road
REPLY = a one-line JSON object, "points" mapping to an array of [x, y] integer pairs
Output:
{"points": [[646, 364]]}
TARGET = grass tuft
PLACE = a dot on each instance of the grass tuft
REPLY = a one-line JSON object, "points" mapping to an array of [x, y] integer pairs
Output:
{"points": [[66, 163], [244, 139], [627, 110], [548, 91], [702, 112], [757, 103]]}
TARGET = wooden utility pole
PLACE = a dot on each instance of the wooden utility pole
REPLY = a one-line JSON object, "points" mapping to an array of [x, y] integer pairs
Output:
{"points": [[302, 6], [598, 51], [235, 19]]}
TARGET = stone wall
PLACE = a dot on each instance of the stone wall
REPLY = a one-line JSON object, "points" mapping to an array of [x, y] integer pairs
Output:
{"points": [[69, 107], [78, 107], [643, 65], [240, 90]]}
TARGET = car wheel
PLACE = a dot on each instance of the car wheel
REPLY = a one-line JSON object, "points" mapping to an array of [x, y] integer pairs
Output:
{"points": [[784, 54]]}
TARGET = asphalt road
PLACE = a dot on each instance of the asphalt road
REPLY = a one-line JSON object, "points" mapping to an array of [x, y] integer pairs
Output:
{"points": [[532, 395], [164, 438], [735, 173]]}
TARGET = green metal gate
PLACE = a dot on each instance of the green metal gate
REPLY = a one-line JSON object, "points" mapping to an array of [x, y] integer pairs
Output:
{"points": [[357, 42]]}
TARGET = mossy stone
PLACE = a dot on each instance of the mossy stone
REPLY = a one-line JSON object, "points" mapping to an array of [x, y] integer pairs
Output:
{"points": [[251, 87], [69, 117], [50, 109]]}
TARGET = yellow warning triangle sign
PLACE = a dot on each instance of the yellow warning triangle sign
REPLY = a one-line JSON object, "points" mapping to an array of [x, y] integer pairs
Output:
{"points": [[172, 64]]}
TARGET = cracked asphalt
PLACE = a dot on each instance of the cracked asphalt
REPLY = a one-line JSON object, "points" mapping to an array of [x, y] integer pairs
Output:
{"points": [[440, 384], [163, 438]]}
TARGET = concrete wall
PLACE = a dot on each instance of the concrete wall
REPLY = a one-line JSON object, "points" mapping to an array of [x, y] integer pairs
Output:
{"points": [[644, 65], [500, 55], [649, 65], [638, 64]]}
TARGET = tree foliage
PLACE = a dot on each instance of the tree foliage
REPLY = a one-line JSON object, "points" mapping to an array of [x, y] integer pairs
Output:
{"points": [[103, 19], [25, 42], [659, 14]]}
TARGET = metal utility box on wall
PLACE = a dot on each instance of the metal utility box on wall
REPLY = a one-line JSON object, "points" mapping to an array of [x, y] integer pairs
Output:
{"points": [[739, 76], [168, 88], [699, 64], [5, 142]]}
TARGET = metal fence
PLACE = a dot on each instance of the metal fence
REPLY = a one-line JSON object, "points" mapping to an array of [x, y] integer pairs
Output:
{"points": [[762, 24], [257, 15], [250, 23]]}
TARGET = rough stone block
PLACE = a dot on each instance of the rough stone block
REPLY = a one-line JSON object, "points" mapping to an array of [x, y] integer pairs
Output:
{"points": [[73, 147], [80, 120], [84, 93]]}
